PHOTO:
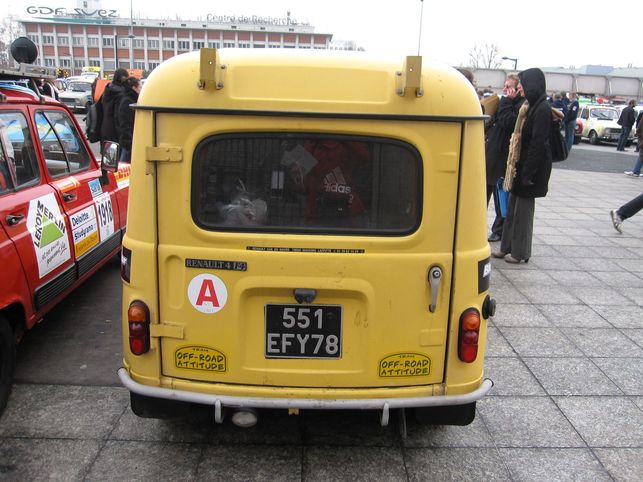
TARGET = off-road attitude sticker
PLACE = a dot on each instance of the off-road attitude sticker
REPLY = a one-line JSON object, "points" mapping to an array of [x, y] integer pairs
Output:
{"points": [[48, 231]]}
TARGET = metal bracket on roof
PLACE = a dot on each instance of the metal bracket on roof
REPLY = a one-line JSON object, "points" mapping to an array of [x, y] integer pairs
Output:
{"points": [[211, 70], [409, 80]]}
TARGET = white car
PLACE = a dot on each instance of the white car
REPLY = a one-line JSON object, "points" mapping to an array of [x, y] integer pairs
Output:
{"points": [[599, 124], [78, 96]]}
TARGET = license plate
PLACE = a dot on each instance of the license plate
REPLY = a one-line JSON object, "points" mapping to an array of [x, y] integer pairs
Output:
{"points": [[303, 331]]}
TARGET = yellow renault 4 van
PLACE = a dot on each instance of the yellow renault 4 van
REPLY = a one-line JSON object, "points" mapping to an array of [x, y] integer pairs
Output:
{"points": [[306, 230]]}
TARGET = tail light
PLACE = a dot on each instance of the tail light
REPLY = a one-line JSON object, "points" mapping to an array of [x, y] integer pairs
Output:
{"points": [[138, 317], [469, 335]]}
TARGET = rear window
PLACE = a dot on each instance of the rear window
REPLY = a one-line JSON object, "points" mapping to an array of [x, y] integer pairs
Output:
{"points": [[306, 183]]}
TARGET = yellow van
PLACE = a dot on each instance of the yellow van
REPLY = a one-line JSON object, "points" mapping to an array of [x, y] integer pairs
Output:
{"points": [[306, 230]]}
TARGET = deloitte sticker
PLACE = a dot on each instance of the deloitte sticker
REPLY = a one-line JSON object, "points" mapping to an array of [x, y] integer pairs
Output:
{"points": [[48, 232], [207, 293]]}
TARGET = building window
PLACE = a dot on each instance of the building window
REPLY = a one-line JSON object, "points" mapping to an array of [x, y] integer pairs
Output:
{"points": [[50, 62], [153, 65], [65, 63], [110, 65], [108, 41], [34, 38], [79, 64], [94, 63], [139, 65], [139, 43], [123, 64], [197, 45], [123, 42], [63, 40], [214, 45], [228, 45], [92, 41], [78, 41], [168, 44], [244, 45], [152, 44], [304, 46], [184, 45], [48, 39]]}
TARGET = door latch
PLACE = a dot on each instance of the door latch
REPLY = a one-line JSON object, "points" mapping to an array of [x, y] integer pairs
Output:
{"points": [[435, 277]]}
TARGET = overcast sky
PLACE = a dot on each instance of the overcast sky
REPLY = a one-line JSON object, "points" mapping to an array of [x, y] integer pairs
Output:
{"points": [[539, 33]]}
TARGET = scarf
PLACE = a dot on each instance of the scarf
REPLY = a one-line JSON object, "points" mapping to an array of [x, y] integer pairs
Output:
{"points": [[514, 147]]}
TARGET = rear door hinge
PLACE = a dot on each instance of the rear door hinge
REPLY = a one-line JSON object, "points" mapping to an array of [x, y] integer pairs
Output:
{"points": [[167, 330], [164, 153]]}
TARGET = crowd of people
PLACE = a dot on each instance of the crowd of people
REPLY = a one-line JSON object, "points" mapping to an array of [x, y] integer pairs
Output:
{"points": [[519, 156]]}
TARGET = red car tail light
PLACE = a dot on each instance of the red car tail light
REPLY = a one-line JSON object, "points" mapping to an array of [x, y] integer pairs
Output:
{"points": [[469, 335], [138, 317]]}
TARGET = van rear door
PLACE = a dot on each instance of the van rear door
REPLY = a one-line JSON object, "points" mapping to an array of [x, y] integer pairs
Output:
{"points": [[295, 254]]}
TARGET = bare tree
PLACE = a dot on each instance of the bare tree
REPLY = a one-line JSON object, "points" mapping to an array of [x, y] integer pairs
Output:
{"points": [[10, 29], [485, 57]]}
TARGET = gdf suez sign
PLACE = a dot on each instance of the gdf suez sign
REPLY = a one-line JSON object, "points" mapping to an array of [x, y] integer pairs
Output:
{"points": [[64, 12]]}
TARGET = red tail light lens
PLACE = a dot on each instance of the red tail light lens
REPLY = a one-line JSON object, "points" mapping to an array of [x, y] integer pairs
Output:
{"points": [[138, 316], [469, 335]]}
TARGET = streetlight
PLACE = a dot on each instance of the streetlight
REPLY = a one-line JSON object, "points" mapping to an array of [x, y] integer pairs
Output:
{"points": [[515, 61]]}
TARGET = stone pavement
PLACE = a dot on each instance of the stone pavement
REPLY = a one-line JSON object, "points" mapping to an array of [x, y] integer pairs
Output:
{"points": [[565, 352]]}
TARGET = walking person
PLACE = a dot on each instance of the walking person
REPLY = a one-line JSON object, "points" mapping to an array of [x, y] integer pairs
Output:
{"points": [[626, 211], [497, 146], [569, 121], [626, 121], [636, 170], [528, 167], [110, 99], [125, 117]]}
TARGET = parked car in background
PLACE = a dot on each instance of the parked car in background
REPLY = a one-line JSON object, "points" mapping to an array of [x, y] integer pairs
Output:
{"points": [[599, 124], [78, 96], [62, 213]]}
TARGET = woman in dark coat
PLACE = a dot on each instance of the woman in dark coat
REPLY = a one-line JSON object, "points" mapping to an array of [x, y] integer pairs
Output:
{"points": [[125, 117], [533, 170], [497, 145], [110, 99]]}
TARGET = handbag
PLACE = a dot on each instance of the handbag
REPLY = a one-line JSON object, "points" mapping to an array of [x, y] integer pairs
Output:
{"points": [[557, 143], [502, 196]]}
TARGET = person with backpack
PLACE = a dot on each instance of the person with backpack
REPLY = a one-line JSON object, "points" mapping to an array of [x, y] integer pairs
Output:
{"points": [[125, 117], [110, 100]]}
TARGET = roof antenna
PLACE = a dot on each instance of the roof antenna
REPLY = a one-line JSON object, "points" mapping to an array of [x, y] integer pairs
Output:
{"points": [[420, 33]]}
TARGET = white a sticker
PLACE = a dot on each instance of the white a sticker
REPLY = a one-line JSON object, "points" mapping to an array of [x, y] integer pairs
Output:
{"points": [[105, 215], [207, 293], [48, 232]]}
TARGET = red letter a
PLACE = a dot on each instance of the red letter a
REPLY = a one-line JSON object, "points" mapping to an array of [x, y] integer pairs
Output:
{"points": [[207, 293]]}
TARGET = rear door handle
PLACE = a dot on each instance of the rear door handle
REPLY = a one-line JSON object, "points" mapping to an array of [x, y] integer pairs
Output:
{"points": [[435, 277], [13, 219]]}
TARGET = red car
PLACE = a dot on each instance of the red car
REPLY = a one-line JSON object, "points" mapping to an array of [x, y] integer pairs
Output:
{"points": [[62, 216]]}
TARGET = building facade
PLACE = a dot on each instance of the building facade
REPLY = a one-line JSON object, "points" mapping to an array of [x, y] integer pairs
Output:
{"points": [[71, 39]]}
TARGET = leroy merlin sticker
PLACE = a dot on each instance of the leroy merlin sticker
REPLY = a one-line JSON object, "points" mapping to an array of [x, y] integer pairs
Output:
{"points": [[84, 230], [48, 232], [207, 293]]}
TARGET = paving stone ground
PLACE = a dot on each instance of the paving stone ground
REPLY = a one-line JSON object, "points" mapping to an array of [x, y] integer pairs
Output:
{"points": [[565, 351]]}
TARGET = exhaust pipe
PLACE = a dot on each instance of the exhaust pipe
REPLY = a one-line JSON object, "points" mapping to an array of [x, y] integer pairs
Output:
{"points": [[245, 417]]}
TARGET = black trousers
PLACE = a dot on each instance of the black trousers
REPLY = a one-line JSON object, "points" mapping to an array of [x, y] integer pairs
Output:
{"points": [[629, 209]]}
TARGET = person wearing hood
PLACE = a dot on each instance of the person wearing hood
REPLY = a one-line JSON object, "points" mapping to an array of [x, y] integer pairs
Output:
{"points": [[125, 117], [528, 167], [110, 99]]}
